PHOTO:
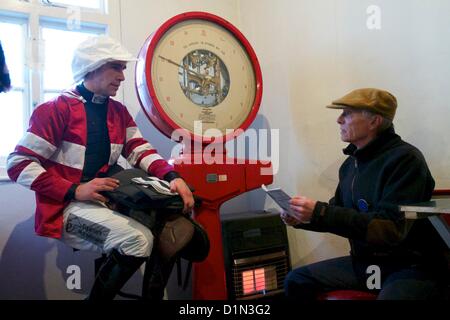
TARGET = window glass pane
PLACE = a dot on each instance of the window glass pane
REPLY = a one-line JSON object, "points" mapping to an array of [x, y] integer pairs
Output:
{"points": [[11, 120], [11, 36], [58, 70], [92, 4]]}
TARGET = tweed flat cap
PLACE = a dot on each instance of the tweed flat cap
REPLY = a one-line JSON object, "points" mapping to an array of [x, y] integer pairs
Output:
{"points": [[371, 99]]}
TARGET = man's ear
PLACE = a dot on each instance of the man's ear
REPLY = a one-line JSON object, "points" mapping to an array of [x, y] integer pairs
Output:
{"points": [[376, 122]]}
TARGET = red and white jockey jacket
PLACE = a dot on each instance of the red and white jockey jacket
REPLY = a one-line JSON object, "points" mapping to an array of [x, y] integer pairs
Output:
{"points": [[50, 157]]}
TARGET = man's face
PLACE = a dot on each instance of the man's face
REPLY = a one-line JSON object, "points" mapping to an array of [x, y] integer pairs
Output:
{"points": [[106, 80], [355, 127]]}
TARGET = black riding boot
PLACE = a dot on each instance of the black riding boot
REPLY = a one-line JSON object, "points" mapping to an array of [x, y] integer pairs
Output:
{"points": [[156, 276], [113, 275]]}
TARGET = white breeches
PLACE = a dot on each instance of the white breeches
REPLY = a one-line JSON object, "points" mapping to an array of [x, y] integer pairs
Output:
{"points": [[91, 226]]}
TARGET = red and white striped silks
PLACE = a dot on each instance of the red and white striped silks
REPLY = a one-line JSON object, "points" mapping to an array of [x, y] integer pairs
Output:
{"points": [[50, 156]]}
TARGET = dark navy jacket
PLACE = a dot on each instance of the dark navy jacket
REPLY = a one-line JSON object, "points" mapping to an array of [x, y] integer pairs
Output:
{"points": [[373, 182]]}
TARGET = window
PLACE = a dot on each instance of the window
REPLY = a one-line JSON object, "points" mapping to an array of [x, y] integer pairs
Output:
{"points": [[38, 40], [13, 104], [57, 74]]}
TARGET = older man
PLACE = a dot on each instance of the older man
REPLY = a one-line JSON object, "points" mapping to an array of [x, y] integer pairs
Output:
{"points": [[381, 172], [74, 139]]}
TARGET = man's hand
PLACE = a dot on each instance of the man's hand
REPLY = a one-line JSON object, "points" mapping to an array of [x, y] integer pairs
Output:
{"points": [[89, 191], [289, 220], [302, 209], [178, 185]]}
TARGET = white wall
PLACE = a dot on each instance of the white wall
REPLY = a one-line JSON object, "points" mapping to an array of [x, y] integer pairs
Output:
{"points": [[310, 53]]}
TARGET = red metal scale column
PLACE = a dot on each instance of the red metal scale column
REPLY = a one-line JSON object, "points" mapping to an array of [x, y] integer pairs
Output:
{"points": [[209, 282], [215, 178]]}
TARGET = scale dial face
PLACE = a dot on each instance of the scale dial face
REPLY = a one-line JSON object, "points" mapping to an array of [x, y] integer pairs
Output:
{"points": [[201, 69]]}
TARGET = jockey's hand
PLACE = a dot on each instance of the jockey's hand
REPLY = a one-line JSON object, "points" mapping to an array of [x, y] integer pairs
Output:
{"points": [[178, 185], [89, 191]]}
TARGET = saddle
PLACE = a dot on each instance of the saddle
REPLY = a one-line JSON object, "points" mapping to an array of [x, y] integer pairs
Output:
{"points": [[149, 201]]}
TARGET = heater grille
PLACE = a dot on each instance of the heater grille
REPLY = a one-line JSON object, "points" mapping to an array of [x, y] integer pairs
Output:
{"points": [[256, 254], [261, 275]]}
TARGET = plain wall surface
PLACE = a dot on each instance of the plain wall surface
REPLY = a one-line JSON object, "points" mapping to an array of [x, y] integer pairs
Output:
{"points": [[310, 52]]}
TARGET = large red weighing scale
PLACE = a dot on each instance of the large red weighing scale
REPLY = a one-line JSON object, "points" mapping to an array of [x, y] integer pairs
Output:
{"points": [[199, 82]]}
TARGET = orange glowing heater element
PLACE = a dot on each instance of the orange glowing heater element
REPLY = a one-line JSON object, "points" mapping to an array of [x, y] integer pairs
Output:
{"points": [[254, 280]]}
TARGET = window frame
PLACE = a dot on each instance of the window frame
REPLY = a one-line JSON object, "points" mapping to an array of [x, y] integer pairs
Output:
{"points": [[102, 10]]}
